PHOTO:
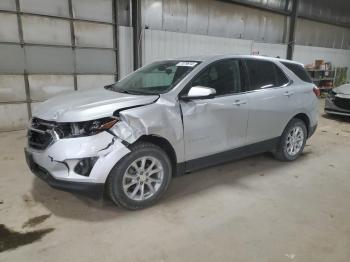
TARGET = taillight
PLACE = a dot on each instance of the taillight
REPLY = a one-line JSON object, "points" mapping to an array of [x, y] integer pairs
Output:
{"points": [[317, 91]]}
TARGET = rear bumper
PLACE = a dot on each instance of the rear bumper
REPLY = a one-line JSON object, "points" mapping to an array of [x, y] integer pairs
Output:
{"points": [[93, 190]]}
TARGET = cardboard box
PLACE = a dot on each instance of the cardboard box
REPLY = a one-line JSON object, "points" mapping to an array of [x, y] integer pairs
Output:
{"points": [[318, 63]]}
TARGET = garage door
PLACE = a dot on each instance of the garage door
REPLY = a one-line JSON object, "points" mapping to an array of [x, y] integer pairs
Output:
{"points": [[48, 47]]}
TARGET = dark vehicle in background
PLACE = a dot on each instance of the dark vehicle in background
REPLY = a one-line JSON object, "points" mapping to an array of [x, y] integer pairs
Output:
{"points": [[338, 101]]}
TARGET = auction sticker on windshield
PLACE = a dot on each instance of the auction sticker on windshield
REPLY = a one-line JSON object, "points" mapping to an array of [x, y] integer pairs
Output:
{"points": [[190, 64]]}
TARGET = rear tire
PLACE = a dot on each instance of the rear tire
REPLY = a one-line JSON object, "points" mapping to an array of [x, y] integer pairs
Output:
{"points": [[292, 141], [140, 178]]}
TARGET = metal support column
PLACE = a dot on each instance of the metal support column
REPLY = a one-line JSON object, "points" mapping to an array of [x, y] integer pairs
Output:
{"points": [[72, 35], [115, 7], [136, 24], [292, 25], [25, 73]]}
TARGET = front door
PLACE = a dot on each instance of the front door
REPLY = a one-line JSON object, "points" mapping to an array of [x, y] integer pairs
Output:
{"points": [[218, 124]]}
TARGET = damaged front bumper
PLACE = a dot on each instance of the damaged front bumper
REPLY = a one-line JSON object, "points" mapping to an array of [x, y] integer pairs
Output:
{"points": [[57, 164], [331, 108]]}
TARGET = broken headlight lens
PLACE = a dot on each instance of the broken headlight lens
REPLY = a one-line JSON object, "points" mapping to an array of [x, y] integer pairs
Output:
{"points": [[86, 128], [93, 127]]}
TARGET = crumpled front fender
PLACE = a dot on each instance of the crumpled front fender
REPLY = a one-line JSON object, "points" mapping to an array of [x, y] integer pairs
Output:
{"points": [[162, 119]]}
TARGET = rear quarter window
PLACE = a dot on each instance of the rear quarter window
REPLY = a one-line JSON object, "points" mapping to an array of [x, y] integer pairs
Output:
{"points": [[264, 74], [299, 71]]}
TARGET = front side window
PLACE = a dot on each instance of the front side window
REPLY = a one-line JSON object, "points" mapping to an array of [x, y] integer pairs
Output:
{"points": [[156, 78], [224, 76], [264, 74]]}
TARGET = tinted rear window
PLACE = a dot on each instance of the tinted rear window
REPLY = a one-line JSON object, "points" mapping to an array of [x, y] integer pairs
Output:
{"points": [[264, 74], [299, 71]]}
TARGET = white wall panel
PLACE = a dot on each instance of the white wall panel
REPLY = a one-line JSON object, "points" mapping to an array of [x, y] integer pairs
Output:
{"points": [[8, 28], [11, 59], [93, 34], [164, 45], [12, 88], [126, 64], [308, 55], [41, 59], [13, 117], [94, 81], [94, 61], [46, 30], [100, 10], [43, 87], [8, 5], [48, 7], [267, 49]]}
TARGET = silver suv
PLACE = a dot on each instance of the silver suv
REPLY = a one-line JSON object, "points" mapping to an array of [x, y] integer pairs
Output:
{"points": [[130, 138]]}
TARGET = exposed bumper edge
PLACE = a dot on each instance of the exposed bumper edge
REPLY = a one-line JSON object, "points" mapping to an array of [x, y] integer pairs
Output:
{"points": [[337, 112], [93, 190], [312, 130]]}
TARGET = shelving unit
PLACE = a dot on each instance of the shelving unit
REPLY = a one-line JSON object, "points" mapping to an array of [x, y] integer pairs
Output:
{"points": [[323, 79]]}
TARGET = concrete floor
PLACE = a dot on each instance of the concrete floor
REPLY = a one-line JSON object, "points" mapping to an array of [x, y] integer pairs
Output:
{"points": [[256, 209]]}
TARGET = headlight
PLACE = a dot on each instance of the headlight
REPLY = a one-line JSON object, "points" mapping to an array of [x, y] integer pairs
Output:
{"points": [[86, 128], [332, 94]]}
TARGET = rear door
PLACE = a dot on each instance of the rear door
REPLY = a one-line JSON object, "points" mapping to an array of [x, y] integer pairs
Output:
{"points": [[268, 100], [217, 124]]}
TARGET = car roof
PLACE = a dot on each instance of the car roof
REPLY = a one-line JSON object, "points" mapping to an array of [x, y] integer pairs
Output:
{"points": [[211, 58]]}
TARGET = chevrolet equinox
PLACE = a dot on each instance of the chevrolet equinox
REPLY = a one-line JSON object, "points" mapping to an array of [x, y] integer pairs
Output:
{"points": [[130, 138]]}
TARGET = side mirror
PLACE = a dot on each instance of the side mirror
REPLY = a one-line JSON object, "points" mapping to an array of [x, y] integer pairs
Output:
{"points": [[199, 92]]}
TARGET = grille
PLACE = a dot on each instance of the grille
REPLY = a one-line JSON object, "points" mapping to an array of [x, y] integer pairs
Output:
{"points": [[40, 134], [342, 103]]}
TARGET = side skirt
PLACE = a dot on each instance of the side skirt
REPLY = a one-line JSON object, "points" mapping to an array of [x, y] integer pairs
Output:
{"points": [[227, 156]]}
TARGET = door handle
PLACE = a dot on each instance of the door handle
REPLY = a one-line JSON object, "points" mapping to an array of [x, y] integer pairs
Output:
{"points": [[288, 93], [239, 102]]}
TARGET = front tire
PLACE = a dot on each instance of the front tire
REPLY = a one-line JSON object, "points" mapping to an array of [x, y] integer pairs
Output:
{"points": [[140, 178], [292, 141]]}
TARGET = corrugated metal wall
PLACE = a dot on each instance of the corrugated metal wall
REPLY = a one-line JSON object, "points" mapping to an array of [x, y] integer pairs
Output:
{"points": [[335, 11], [50, 47], [215, 18], [160, 44], [313, 33], [230, 20]]}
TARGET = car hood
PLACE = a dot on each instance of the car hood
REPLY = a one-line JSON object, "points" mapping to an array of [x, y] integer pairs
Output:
{"points": [[88, 105], [343, 90]]}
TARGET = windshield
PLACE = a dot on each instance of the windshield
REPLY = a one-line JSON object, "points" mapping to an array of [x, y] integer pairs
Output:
{"points": [[155, 78]]}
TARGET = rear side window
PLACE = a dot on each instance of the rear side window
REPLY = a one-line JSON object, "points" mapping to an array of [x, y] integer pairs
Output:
{"points": [[264, 74], [299, 71]]}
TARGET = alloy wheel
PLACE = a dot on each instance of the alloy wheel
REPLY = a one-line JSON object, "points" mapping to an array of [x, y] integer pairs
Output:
{"points": [[295, 140], [143, 178]]}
